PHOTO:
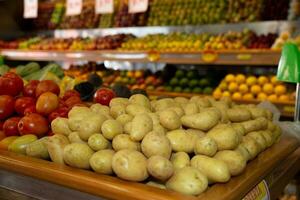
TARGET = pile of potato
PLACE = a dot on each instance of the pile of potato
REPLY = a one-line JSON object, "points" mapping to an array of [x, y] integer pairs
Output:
{"points": [[182, 144]]}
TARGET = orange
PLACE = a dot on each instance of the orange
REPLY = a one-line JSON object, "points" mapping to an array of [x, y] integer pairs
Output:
{"points": [[274, 80], [236, 96], [262, 96], [233, 86], [251, 80], [217, 94], [268, 88], [240, 78], [255, 89], [248, 97], [223, 86], [243, 88], [262, 80], [229, 78], [284, 98], [226, 94], [272, 97], [280, 89]]}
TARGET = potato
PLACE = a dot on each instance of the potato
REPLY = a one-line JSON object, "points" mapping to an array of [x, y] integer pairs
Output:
{"points": [[111, 128], [239, 129], [181, 100], [203, 121], [156, 184], [118, 100], [135, 109], [195, 98], [98, 142], [124, 118], [90, 126], [269, 115], [188, 180], [159, 129], [156, 144], [74, 138], [271, 126], [20, 144], [238, 114], [130, 165], [38, 149], [255, 125], [123, 141], [169, 119], [100, 109], [140, 100], [79, 111], [117, 110], [178, 110], [203, 103], [60, 126], [243, 151], [162, 104], [195, 132], [251, 145], [205, 146], [226, 100], [160, 167], [267, 135], [181, 141], [225, 137], [277, 133], [234, 160], [261, 141], [77, 116], [78, 155], [55, 147], [180, 160], [101, 161], [263, 122], [215, 170], [155, 118], [191, 108], [141, 125], [222, 107], [257, 112], [127, 127]]}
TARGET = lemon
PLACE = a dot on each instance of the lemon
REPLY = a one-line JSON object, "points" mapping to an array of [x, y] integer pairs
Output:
{"points": [[248, 97], [280, 89], [283, 98], [251, 80], [255, 89], [272, 97], [262, 96], [226, 94], [236, 96], [243, 88], [240, 78], [262, 80], [229, 78], [233, 86], [268, 88], [217, 94]]}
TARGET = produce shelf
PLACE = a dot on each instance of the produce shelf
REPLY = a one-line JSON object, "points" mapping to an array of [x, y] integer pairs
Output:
{"points": [[269, 165], [234, 57]]}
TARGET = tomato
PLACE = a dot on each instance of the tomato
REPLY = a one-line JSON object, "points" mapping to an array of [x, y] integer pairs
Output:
{"points": [[33, 123], [103, 96], [47, 86], [70, 93], [1, 125], [11, 84], [60, 112], [29, 89], [46, 103], [70, 102], [30, 109], [10, 126], [50, 133], [22, 103], [7, 104], [2, 135]]}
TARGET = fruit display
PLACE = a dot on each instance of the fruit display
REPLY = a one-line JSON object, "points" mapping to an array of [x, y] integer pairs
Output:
{"points": [[56, 15], [42, 21], [284, 38], [165, 142], [242, 87]]}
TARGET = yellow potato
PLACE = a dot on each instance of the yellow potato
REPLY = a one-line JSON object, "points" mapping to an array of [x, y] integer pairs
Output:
{"points": [[101, 161], [238, 114], [55, 147], [169, 119], [222, 107], [225, 136], [267, 135], [243, 151], [90, 125], [271, 126], [74, 138], [156, 144], [60, 126], [234, 160], [141, 125], [154, 117], [239, 129], [98, 142], [252, 147], [263, 122], [255, 125], [159, 129], [277, 133], [160, 167], [205, 146], [124, 118], [118, 100], [202, 121], [38, 148], [178, 110], [180, 160], [117, 110], [226, 100], [163, 104], [181, 100], [123, 141], [127, 127], [141, 100], [257, 112], [130, 165], [195, 132], [111, 128], [203, 103], [135, 109], [191, 108], [269, 115], [100, 109], [188, 180], [181, 141], [215, 170], [261, 141], [78, 155], [79, 111]]}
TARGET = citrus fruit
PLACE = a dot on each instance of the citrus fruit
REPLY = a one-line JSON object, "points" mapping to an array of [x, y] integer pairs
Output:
{"points": [[233, 86], [236, 96], [240, 78], [262, 80], [217, 94], [272, 97], [255, 89], [229, 78], [280, 89], [284, 98], [262, 96], [223, 86], [243, 88], [251, 80], [274, 80], [226, 94], [268, 88], [248, 96]]}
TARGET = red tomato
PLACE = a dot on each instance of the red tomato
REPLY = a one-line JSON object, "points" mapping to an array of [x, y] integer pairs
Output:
{"points": [[33, 124], [70, 93], [60, 112], [11, 84], [103, 96], [30, 109], [7, 104], [10, 126], [29, 89], [50, 133], [73, 100], [1, 125], [46, 103], [22, 103], [47, 86]]}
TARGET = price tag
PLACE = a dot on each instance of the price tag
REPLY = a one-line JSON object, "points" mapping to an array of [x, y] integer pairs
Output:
{"points": [[104, 6], [74, 7], [136, 6], [209, 57], [259, 192], [244, 56], [30, 8]]}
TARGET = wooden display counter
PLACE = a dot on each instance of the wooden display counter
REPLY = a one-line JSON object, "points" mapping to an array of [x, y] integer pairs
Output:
{"points": [[277, 165]]}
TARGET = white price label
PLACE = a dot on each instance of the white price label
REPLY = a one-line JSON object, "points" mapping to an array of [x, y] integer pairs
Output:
{"points": [[74, 7], [104, 6], [136, 6], [30, 8]]}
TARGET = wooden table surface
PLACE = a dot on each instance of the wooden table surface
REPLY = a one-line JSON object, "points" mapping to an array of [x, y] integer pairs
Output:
{"points": [[114, 188]]}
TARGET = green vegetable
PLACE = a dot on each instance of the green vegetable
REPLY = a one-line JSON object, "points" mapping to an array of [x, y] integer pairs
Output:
{"points": [[27, 69], [3, 69], [52, 68]]}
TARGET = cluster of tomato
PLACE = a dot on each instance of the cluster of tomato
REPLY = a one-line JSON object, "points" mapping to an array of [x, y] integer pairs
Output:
{"points": [[30, 109]]}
